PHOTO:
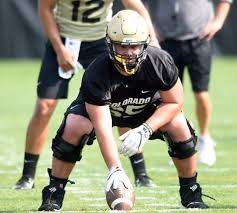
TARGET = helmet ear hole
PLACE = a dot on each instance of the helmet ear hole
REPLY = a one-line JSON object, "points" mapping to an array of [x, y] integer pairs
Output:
{"points": [[127, 27]]}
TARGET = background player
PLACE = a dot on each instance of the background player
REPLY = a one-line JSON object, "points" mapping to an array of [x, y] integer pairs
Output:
{"points": [[185, 29]]}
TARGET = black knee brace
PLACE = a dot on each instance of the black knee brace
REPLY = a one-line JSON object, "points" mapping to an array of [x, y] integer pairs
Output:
{"points": [[181, 150], [67, 152]]}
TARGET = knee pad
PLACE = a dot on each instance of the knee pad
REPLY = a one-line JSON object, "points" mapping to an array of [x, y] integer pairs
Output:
{"points": [[67, 152], [183, 149]]}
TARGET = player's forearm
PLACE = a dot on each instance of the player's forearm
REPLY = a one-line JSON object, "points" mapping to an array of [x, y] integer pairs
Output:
{"points": [[173, 101], [163, 115], [222, 11], [102, 123], [108, 146], [109, 151], [49, 24]]}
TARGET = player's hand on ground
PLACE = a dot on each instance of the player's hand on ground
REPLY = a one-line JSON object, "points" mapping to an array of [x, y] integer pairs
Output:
{"points": [[134, 140], [116, 177]]}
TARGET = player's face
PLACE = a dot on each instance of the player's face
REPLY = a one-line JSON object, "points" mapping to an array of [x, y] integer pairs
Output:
{"points": [[128, 52], [127, 58]]}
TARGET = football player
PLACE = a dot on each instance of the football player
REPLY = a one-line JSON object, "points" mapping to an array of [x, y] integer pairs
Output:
{"points": [[137, 88], [73, 28]]}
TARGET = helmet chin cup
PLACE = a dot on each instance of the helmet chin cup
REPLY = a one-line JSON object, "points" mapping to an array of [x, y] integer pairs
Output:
{"points": [[129, 68], [124, 69]]}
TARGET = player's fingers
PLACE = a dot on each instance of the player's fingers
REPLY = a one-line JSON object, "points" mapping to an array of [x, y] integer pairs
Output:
{"points": [[115, 183], [131, 152], [123, 136], [210, 35], [124, 146], [126, 184], [108, 186], [121, 150], [128, 152], [127, 144], [71, 64], [66, 66]]}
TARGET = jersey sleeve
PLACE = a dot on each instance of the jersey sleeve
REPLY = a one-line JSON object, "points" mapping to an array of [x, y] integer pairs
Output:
{"points": [[95, 87], [165, 68], [95, 93], [169, 71]]}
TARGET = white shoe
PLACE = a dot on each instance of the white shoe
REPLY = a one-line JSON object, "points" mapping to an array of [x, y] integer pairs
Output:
{"points": [[206, 150]]}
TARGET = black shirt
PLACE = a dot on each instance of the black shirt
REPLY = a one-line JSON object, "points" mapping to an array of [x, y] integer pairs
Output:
{"points": [[128, 96]]}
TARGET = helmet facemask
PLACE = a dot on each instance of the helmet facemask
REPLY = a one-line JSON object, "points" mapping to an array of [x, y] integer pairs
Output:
{"points": [[128, 63], [127, 28]]}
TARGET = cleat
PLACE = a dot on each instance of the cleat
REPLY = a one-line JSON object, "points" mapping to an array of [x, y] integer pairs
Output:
{"points": [[144, 181], [52, 198], [24, 183], [191, 196], [206, 150]]}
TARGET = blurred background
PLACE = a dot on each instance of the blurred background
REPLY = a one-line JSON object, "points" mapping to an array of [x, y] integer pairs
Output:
{"points": [[22, 35]]}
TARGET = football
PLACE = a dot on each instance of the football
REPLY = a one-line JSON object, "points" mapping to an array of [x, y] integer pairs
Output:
{"points": [[120, 198]]}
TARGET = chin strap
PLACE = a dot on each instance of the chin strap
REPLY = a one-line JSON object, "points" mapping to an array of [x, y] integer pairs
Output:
{"points": [[122, 67]]}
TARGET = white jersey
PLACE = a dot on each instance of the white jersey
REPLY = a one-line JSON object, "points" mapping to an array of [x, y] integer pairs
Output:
{"points": [[83, 19]]}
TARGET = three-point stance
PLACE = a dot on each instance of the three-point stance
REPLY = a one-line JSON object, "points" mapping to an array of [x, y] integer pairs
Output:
{"points": [[136, 87]]}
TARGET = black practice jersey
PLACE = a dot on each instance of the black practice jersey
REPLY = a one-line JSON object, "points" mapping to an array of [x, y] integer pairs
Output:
{"points": [[128, 96]]}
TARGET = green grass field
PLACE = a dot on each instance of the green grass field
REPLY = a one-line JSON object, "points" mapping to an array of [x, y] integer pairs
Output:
{"points": [[17, 89]]}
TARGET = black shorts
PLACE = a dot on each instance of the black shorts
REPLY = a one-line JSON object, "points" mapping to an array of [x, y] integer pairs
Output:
{"points": [[196, 55], [50, 84], [78, 107]]}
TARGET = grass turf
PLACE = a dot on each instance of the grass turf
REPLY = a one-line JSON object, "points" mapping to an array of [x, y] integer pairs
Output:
{"points": [[17, 86]]}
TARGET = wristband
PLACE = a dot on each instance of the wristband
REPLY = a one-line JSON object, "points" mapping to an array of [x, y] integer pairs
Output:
{"points": [[148, 128]]}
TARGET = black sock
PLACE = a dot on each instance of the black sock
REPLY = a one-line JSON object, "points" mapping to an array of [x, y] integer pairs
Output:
{"points": [[138, 164], [58, 181], [187, 181], [30, 163]]}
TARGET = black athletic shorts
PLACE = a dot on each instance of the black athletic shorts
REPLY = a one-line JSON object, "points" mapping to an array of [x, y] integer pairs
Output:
{"points": [[50, 84], [77, 107], [196, 55]]}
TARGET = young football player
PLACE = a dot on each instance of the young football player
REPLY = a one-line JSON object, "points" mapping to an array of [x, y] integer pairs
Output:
{"points": [[137, 88]]}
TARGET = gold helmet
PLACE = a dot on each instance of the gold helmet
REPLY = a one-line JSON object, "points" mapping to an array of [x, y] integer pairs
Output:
{"points": [[127, 27]]}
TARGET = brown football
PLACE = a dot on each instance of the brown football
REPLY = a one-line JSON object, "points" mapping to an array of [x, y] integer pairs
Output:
{"points": [[120, 198]]}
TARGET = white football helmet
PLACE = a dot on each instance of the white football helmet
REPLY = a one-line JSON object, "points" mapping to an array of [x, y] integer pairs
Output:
{"points": [[127, 27]]}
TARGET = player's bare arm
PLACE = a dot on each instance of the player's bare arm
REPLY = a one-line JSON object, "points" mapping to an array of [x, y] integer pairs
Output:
{"points": [[138, 6], [171, 106], [64, 56], [101, 120], [172, 102]]}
